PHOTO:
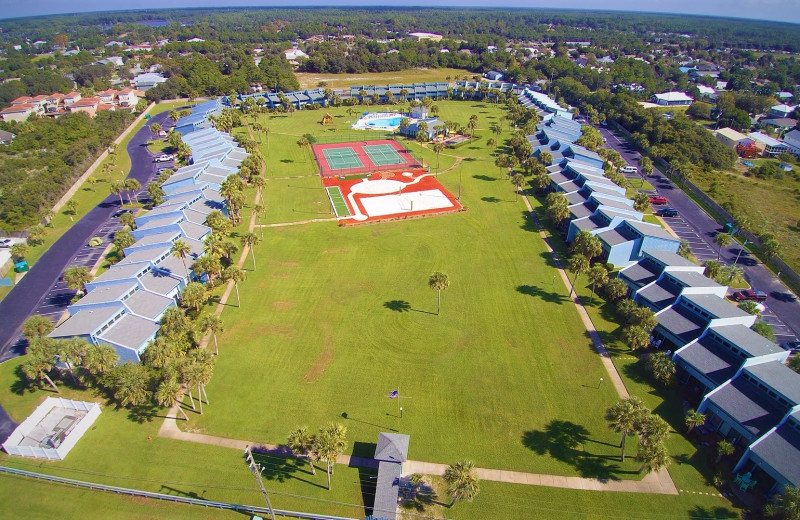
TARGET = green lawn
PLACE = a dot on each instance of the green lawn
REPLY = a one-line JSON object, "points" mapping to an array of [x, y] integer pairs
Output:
{"points": [[310, 80], [335, 318]]}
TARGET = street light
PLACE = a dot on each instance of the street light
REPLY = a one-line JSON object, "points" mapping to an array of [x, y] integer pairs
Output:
{"points": [[600, 383]]}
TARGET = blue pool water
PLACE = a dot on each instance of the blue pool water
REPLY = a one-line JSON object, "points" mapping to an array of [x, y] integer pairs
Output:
{"points": [[385, 123]]}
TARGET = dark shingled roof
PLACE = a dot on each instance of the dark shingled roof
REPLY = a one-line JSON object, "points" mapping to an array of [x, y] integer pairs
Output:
{"points": [[386, 491], [780, 378], [781, 450], [641, 273], [748, 405], [711, 359], [392, 447], [661, 294], [682, 323], [747, 340]]}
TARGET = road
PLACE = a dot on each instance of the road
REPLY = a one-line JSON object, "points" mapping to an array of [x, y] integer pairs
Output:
{"points": [[696, 227], [40, 291]]}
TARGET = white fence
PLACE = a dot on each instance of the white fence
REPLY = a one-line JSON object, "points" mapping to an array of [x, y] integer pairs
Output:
{"points": [[12, 444]]}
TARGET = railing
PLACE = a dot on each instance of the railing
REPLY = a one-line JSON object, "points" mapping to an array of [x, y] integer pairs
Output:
{"points": [[169, 498]]}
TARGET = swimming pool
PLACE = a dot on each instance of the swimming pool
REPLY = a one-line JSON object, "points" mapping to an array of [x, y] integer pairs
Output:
{"points": [[378, 121], [385, 123]]}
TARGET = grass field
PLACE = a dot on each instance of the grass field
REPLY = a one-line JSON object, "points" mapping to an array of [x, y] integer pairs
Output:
{"points": [[333, 319], [337, 200], [310, 80]]}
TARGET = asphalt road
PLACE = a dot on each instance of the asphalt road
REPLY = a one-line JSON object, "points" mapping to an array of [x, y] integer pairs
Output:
{"points": [[696, 227], [40, 291]]}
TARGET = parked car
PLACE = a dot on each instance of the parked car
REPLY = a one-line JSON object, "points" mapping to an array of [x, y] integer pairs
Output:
{"points": [[5, 242], [667, 212], [163, 158], [121, 212], [749, 295], [657, 200], [628, 169], [791, 346]]}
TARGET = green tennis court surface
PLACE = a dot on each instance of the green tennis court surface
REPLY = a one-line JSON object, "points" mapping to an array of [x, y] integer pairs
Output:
{"points": [[383, 154], [337, 201], [342, 158]]}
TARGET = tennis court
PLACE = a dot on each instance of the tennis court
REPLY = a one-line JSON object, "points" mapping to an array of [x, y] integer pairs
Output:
{"points": [[337, 201], [342, 158], [383, 154]]}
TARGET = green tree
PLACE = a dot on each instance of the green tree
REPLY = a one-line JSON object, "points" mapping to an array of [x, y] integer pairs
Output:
{"points": [[598, 275], [19, 250], [212, 323], [329, 443], [169, 393], [722, 240], [647, 165], [724, 448], [771, 248], [624, 418], [117, 187], [636, 337], [586, 244], [661, 367], [251, 240], [155, 192], [694, 419], [439, 282], [37, 326], [556, 208], [235, 275], [518, 181], [123, 239], [127, 219], [765, 329], [76, 278], [194, 295], [684, 250], [462, 481], [786, 505], [181, 249], [100, 360], [129, 383], [653, 457], [437, 149], [641, 202], [131, 185], [615, 290], [155, 128], [39, 361], [301, 442], [731, 273], [577, 265], [713, 268], [750, 308], [546, 158]]}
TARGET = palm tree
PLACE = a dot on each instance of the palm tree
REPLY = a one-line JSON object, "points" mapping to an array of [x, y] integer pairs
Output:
{"points": [[19, 250], [577, 264], [259, 183], [258, 209], [598, 275], [131, 185], [472, 125], [437, 148], [76, 278], [624, 416], [653, 456], [127, 219], [213, 324], [501, 162], [174, 115], [439, 282], [492, 143], [329, 443], [169, 393], [130, 384], [724, 448], [546, 158], [733, 272], [251, 240], [518, 181], [722, 240], [194, 295], [694, 419], [302, 143], [235, 275], [100, 360], [462, 482], [786, 505], [41, 353], [180, 249], [155, 128], [117, 187], [36, 326], [301, 442]]}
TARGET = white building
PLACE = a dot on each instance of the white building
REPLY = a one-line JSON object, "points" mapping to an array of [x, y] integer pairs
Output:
{"points": [[671, 99]]}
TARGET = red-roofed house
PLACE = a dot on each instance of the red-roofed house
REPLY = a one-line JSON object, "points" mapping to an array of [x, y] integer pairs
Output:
{"points": [[127, 97], [55, 99], [20, 112], [22, 100], [107, 96], [88, 105]]}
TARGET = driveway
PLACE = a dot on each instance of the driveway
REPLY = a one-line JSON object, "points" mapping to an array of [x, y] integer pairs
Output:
{"points": [[40, 291], [696, 227]]}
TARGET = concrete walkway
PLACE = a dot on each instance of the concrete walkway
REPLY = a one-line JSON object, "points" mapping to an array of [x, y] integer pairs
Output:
{"points": [[611, 369]]}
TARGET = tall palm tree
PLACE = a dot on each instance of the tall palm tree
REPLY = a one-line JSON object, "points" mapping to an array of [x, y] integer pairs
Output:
{"points": [[130, 384], [213, 324], [518, 181], [258, 209], [462, 482], [180, 249], [330, 442], [624, 416], [577, 264], [131, 185], [437, 148], [39, 362], [251, 240], [722, 240], [36, 326], [439, 282], [301, 442], [117, 187], [302, 143], [259, 183], [235, 275], [169, 393], [76, 277]]}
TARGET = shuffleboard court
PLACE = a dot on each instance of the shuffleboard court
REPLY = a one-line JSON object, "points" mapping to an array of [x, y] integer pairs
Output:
{"points": [[383, 154], [342, 158], [337, 201]]}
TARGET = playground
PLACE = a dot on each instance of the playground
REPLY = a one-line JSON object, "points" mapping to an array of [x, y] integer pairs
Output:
{"points": [[388, 196]]}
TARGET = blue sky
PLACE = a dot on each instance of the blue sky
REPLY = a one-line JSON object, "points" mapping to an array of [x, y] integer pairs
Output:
{"points": [[781, 10]]}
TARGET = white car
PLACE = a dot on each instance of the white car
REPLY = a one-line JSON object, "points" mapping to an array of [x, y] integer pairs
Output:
{"points": [[163, 158], [628, 169]]}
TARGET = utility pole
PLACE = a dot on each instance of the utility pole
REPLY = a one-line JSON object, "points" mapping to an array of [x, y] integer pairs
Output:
{"points": [[256, 469]]}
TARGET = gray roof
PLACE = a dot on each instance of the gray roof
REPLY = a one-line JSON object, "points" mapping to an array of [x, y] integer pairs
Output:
{"points": [[671, 259], [107, 293], [569, 186], [640, 273], [780, 378], [198, 217], [151, 254], [119, 272], [130, 331], [781, 450], [711, 359], [576, 197], [559, 177], [716, 306], [616, 236], [692, 279], [386, 491], [171, 218], [747, 405], [589, 223], [158, 282], [580, 211], [392, 447], [85, 321], [682, 323], [652, 230], [660, 294], [148, 305], [157, 238], [747, 340], [194, 231]]}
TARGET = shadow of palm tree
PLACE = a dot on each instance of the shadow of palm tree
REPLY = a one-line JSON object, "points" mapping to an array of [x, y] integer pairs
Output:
{"points": [[397, 305], [550, 297], [491, 199]]}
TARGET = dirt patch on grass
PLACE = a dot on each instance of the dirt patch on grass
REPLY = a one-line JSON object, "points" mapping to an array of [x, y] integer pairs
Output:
{"points": [[324, 359], [333, 251], [280, 275], [282, 306], [285, 330], [286, 264]]}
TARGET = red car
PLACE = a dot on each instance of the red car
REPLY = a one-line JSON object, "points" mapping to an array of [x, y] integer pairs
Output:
{"points": [[657, 199], [749, 295]]}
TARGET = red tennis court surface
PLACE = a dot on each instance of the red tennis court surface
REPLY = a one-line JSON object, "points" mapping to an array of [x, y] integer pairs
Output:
{"points": [[342, 159], [393, 195]]}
